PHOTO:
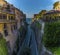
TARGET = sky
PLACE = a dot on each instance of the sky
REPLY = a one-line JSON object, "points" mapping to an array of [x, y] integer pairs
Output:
{"points": [[31, 7]]}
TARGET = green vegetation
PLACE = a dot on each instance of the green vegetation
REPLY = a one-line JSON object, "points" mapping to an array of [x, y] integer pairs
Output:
{"points": [[42, 12], [52, 34], [21, 36], [22, 31], [57, 51], [3, 47], [21, 28], [54, 50], [38, 25], [51, 37]]}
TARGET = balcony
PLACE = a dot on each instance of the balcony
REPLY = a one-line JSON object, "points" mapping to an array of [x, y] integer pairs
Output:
{"points": [[6, 10], [7, 21]]}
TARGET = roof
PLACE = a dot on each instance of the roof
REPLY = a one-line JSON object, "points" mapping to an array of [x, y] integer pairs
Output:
{"points": [[52, 12]]}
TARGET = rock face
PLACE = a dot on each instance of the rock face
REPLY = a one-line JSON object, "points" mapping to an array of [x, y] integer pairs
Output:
{"points": [[23, 31], [21, 34], [20, 37], [38, 35], [46, 53]]}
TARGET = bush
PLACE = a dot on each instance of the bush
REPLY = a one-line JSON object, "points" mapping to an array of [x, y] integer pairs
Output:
{"points": [[38, 25], [52, 34], [35, 25], [22, 31], [3, 47], [57, 51]]}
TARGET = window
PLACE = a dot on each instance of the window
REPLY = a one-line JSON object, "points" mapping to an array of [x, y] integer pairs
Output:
{"points": [[0, 16], [5, 26], [6, 32], [11, 28], [9, 18], [4, 16], [5, 29], [8, 8], [15, 27], [12, 18], [1, 35]]}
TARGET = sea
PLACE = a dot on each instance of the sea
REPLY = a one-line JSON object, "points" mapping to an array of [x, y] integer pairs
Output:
{"points": [[29, 20]]}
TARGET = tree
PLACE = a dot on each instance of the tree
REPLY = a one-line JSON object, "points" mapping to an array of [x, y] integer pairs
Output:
{"points": [[52, 34]]}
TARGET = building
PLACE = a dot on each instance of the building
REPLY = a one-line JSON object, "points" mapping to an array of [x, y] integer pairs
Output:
{"points": [[20, 17], [7, 24], [53, 14], [56, 6], [35, 16], [10, 21], [3, 2], [40, 15], [50, 15]]}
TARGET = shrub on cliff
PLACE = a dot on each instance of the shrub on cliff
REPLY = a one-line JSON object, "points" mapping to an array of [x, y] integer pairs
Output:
{"points": [[21, 35], [52, 34], [38, 25], [3, 46], [35, 25], [22, 31]]}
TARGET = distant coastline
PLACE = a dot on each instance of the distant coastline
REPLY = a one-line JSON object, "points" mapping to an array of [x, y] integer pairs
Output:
{"points": [[29, 20]]}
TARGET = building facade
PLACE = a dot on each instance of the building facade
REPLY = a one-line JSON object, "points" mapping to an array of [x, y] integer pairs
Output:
{"points": [[20, 17], [56, 6], [50, 15], [40, 15], [10, 21], [53, 14]]}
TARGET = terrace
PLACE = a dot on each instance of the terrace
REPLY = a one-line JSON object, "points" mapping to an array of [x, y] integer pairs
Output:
{"points": [[7, 9], [7, 14]]}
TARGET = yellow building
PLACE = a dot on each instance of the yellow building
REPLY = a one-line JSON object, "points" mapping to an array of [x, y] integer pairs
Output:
{"points": [[53, 14], [40, 15], [20, 17], [10, 20], [8, 24], [35, 17], [3, 2], [56, 5]]}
